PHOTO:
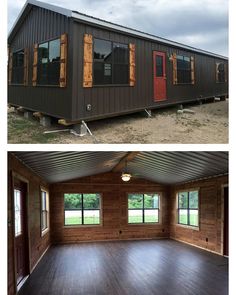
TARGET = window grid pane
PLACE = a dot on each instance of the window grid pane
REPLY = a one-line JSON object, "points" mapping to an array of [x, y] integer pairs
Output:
{"points": [[143, 208], [48, 70], [151, 215], [18, 67], [82, 209], [135, 216], [188, 208], [111, 63], [18, 212], [183, 70]]}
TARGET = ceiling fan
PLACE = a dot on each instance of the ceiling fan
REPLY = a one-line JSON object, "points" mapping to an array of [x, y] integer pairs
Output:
{"points": [[125, 175]]}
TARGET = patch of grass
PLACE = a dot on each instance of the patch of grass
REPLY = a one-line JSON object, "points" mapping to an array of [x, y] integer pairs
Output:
{"points": [[138, 219], [193, 219], [78, 220], [22, 130]]}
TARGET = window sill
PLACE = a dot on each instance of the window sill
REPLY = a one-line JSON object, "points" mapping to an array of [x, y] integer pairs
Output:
{"points": [[111, 85], [145, 223], [44, 232], [188, 226], [82, 225], [184, 84], [53, 86]]}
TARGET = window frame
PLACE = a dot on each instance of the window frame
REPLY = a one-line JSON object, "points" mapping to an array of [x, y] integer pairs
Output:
{"points": [[112, 63], [143, 209], [42, 42], [14, 83], [82, 211], [190, 70], [188, 225], [47, 228]]}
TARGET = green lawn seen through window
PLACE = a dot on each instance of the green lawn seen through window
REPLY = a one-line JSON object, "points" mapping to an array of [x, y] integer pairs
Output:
{"points": [[193, 219], [78, 220], [138, 219]]}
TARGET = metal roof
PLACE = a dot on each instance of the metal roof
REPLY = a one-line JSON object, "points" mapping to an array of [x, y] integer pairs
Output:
{"points": [[100, 22], [160, 167]]}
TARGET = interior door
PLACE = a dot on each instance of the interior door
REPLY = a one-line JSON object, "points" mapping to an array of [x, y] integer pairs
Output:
{"points": [[21, 235], [226, 221], [159, 75]]}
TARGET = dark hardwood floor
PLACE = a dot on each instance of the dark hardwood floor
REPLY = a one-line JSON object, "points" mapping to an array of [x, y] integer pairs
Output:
{"points": [[148, 267]]}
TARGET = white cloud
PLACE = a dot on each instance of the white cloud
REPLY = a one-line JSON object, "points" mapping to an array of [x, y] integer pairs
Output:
{"points": [[202, 23]]}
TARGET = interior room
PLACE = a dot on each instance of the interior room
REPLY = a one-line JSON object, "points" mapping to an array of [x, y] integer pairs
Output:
{"points": [[118, 223]]}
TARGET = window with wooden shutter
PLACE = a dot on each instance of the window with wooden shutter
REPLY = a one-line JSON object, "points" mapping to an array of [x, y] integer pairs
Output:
{"points": [[88, 61], [10, 61], [192, 70], [26, 66], [35, 65], [174, 59], [63, 60], [132, 64]]}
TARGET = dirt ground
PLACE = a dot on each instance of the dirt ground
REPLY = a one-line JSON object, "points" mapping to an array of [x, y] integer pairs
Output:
{"points": [[209, 124]]}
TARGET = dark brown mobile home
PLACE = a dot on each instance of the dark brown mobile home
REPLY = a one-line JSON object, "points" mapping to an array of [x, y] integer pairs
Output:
{"points": [[75, 67]]}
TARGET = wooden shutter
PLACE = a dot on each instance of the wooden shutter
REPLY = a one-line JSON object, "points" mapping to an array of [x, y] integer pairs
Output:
{"points": [[63, 60], [26, 65], [192, 70], [10, 64], [88, 61], [35, 65], [217, 72], [131, 64], [174, 59]]}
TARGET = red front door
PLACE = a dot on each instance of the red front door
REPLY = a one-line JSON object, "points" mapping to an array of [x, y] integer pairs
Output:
{"points": [[159, 75], [21, 242]]}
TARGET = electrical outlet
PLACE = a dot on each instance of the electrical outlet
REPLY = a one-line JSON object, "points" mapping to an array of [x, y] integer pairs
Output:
{"points": [[89, 107]]}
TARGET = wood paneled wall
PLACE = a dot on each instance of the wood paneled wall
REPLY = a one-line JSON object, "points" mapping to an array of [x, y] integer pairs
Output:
{"points": [[37, 244], [114, 209], [114, 213], [210, 215]]}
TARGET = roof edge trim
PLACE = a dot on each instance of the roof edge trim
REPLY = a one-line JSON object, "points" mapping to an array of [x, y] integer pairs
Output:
{"points": [[44, 5]]}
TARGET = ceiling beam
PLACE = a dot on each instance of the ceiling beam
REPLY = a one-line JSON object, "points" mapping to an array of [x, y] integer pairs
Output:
{"points": [[127, 158]]}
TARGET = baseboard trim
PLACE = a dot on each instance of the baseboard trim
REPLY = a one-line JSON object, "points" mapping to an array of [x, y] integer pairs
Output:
{"points": [[202, 248], [109, 240], [33, 268]]}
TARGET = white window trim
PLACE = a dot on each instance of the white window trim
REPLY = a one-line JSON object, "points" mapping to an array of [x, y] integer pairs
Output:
{"points": [[46, 230], [187, 226]]}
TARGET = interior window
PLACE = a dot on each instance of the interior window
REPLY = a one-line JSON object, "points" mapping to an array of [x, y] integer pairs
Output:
{"points": [[188, 208], [82, 209], [143, 208]]}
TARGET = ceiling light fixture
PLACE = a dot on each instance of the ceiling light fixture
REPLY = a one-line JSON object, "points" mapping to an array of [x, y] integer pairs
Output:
{"points": [[125, 176]]}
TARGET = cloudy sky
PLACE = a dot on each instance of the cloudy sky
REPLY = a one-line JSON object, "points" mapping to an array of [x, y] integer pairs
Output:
{"points": [[199, 23]]}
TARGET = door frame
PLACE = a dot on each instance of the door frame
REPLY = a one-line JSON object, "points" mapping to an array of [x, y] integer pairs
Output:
{"points": [[22, 179], [222, 217], [154, 53]]}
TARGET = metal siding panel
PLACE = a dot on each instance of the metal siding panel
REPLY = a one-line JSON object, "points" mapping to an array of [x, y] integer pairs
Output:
{"points": [[39, 26]]}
